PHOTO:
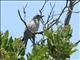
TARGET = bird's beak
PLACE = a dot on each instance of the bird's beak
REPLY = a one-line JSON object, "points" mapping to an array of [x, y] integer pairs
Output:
{"points": [[42, 16]]}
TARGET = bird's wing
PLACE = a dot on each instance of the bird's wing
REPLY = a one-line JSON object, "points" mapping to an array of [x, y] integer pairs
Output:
{"points": [[32, 26]]}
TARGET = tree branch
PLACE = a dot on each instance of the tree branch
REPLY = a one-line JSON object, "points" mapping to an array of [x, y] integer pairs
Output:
{"points": [[42, 7], [69, 13], [57, 20], [22, 19], [63, 9], [48, 19]]}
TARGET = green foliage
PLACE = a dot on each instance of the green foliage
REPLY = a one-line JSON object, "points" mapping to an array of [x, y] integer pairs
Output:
{"points": [[57, 46], [4, 39], [10, 49], [37, 52]]}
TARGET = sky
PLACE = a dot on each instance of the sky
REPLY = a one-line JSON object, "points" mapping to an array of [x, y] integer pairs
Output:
{"points": [[10, 20]]}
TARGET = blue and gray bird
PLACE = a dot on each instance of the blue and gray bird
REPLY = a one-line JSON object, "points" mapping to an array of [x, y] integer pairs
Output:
{"points": [[33, 26]]}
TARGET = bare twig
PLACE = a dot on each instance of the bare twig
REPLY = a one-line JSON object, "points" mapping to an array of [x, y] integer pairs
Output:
{"points": [[41, 32], [25, 6], [76, 2], [76, 11], [54, 21], [41, 41], [77, 42], [50, 13], [58, 13], [63, 10], [41, 10], [24, 11], [66, 11], [42, 7], [24, 15], [57, 20], [52, 16], [22, 19]]}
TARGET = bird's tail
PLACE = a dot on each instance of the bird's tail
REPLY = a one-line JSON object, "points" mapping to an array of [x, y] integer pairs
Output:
{"points": [[25, 40]]}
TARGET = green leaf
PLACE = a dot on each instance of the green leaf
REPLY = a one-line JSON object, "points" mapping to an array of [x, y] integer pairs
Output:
{"points": [[22, 51], [49, 34], [72, 51], [22, 58], [38, 53], [10, 45], [10, 41], [5, 39]]}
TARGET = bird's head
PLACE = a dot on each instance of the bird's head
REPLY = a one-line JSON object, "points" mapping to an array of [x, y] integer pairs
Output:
{"points": [[38, 17]]}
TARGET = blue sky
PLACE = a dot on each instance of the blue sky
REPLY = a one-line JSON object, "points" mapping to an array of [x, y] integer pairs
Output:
{"points": [[10, 20]]}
